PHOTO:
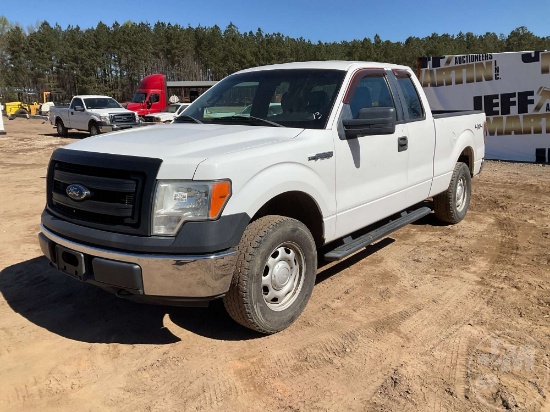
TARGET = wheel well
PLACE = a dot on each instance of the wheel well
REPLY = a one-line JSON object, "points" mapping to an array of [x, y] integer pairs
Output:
{"points": [[299, 206], [467, 156], [90, 123]]}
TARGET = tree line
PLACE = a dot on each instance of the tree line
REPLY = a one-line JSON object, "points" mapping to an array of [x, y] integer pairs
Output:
{"points": [[113, 59]]}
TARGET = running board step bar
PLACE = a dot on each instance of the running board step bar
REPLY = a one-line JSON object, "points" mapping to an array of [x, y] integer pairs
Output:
{"points": [[353, 245]]}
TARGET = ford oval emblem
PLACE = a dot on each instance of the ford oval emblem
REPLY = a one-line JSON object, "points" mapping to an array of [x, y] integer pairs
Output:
{"points": [[77, 192]]}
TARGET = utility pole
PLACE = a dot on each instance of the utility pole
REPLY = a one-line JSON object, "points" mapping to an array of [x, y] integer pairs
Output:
{"points": [[2, 132]]}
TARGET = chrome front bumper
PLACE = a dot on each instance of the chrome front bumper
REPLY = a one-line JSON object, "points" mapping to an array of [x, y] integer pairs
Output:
{"points": [[110, 127], [202, 276]]}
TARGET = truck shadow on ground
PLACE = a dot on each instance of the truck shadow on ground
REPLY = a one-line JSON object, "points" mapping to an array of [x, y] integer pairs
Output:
{"points": [[70, 135], [329, 269], [86, 313]]}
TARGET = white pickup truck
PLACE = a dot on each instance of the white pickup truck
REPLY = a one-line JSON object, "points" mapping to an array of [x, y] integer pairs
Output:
{"points": [[92, 113], [237, 206]]}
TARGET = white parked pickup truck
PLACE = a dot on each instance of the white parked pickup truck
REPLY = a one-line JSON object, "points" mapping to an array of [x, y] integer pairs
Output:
{"points": [[94, 114], [167, 115], [237, 206]]}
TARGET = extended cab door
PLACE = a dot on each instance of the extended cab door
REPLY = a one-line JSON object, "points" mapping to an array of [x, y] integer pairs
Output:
{"points": [[421, 133], [371, 168]]}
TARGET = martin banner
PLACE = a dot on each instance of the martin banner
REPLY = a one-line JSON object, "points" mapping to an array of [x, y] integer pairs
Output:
{"points": [[512, 88]]}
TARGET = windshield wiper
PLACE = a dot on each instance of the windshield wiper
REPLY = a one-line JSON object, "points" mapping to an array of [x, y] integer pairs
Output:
{"points": [[251, 120], [186, 119]]}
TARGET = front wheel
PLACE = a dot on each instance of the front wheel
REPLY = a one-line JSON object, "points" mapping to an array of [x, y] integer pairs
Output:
{"points": [[94, 129], [451, 206], [274, 275]]}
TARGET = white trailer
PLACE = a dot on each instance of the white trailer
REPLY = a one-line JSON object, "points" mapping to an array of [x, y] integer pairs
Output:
{"points": [[512, 88]]}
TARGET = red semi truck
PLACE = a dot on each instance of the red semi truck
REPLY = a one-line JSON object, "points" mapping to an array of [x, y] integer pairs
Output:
{"points": [[151, 97]]}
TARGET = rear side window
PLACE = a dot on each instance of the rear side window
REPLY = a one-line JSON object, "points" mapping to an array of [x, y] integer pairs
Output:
{"points": [[413, 106]]}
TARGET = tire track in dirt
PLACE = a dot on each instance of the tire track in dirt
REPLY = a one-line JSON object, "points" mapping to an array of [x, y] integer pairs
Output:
{"points": [[176, 377], [454, 344], [452, 350]]}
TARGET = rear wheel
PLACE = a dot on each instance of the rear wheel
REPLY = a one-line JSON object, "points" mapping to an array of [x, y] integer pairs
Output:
{"points": [[60, 128], [451, 206], [274, 275]]}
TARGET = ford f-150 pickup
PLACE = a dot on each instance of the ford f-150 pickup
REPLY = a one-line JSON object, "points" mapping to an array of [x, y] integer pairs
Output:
{"points": [[235, 201], [94, 114]]}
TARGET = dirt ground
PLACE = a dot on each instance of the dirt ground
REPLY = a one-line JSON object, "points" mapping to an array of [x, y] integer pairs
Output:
{"points": [[433, 318]]}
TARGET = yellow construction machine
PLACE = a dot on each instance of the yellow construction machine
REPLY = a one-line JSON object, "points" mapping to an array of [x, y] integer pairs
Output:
{"points": [[22, 108]]}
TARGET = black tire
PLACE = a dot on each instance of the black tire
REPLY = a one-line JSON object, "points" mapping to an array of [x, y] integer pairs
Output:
{"points": [[274, 275], [93, 129], [60, 128], [451, 206], [22, 113]]}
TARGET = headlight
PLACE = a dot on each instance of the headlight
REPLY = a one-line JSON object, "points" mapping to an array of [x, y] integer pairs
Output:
{"points": [[105, 118], [178, 201], [137, 117]]}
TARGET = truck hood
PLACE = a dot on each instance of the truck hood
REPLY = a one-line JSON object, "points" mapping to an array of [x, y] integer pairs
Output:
{"points": [[109, 111], [183, 147]]}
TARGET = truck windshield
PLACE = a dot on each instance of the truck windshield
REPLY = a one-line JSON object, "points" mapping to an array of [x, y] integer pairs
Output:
{"points": [[101, 103], [292, 98], [139, 97]]}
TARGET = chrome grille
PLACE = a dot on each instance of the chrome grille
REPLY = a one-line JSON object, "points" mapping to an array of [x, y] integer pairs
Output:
{"points": [[123, 118]]}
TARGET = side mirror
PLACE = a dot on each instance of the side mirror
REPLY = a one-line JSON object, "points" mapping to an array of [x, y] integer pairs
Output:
{"points": [[78, 109], [370, 121]]}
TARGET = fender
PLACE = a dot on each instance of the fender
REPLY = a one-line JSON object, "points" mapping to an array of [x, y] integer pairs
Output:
{"points": [[444, 165], [255, 193]]}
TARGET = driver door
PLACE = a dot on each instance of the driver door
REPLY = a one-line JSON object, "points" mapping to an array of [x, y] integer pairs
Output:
{"points": [[371, 170], [78, 118]]}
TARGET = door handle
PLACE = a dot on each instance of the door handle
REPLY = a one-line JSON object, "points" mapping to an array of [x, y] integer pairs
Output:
{"points": [[402, 143]]}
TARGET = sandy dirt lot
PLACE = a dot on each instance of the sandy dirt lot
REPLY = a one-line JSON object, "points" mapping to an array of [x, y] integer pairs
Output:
{"points": [[433, 318]]}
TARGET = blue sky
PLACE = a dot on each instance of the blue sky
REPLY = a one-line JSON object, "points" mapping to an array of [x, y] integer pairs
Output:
{"points": [[322, 20]]}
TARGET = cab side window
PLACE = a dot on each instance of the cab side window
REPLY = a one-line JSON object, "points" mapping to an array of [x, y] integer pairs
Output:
{"points": [[413, 105], [76, 102], [372, 91], [154, 98]]}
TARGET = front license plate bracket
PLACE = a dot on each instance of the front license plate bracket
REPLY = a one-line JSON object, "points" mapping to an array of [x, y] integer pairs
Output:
{"points": [[71, 262]]}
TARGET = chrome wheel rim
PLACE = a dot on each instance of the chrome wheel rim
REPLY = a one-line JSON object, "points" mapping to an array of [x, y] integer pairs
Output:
{"points": [[461, 194], [283, 276]]}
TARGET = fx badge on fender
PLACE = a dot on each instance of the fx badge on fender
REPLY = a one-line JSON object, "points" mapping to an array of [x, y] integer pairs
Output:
{"points": [[321, 156], [78, 192]]}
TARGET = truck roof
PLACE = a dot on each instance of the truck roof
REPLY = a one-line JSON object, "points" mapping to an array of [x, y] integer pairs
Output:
{"points": [[93, 96], [332, 64]]}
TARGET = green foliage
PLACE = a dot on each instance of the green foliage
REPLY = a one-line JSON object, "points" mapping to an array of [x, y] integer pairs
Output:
{"points": [[112, 60]]}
